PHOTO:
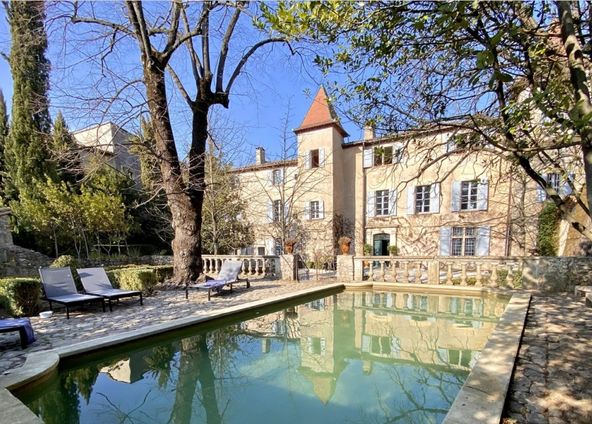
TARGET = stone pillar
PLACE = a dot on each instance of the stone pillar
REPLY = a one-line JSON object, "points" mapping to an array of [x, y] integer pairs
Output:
{"points": [[345, 268], [288, 267], [434, 272], [358, 270], [5, 235]]}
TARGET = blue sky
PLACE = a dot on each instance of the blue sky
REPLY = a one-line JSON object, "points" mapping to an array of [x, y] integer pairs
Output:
{"points": [[275, 85]]}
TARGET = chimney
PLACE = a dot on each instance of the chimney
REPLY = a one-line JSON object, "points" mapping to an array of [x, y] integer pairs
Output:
{"points": [[259, 155], [368, 132]]}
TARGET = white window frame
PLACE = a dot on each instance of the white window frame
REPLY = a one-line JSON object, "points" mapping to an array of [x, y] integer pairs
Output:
{"points": [[381, 202], [463, 241], [469, 195], [314, 209], [422, 198]]}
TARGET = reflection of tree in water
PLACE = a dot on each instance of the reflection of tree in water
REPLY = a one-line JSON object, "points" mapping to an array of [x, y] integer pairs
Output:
{"points": [[60, 403]]}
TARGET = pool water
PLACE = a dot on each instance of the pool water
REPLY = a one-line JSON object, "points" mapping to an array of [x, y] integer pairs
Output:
{"points": [[352, 357]]}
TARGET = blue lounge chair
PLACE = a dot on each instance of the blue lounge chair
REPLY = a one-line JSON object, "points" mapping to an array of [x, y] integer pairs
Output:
{"points": [[227, 276], [59, 287], [95, 281]]}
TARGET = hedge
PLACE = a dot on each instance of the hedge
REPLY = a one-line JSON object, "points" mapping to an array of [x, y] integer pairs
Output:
{"points": [[20, 295], [143, 279]]}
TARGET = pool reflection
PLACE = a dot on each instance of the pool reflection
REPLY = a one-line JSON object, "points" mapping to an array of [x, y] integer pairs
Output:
{"points": [[355, 356]]}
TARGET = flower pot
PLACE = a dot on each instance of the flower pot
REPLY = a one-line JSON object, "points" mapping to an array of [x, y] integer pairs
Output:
{"points": [[289, 248], [344, 248]]}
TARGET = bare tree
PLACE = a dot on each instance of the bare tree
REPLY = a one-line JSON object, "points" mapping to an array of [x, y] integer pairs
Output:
{"points": [[159, 34]]}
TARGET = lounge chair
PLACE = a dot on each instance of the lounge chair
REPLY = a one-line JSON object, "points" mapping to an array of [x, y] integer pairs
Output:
{"points": [[95, 281], [227, 276], [59, 287], [22, 325]]}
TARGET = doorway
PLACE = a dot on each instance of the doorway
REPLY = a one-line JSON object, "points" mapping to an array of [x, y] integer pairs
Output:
{"points": [[381, 244]]}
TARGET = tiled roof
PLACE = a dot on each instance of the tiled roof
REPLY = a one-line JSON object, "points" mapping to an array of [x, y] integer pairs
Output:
{"points": [[320, 114], [266, 165]]}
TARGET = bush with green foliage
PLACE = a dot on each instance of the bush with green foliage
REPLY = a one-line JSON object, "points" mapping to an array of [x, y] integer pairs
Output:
{"points": [[20, 296], [368, 250], [143, 279], [547, 237]]}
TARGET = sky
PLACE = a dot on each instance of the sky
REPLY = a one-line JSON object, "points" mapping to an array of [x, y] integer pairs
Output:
{"points": [[276, 87]]}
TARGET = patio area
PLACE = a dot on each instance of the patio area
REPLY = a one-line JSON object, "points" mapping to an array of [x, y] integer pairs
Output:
{"points": [[551, 382]]}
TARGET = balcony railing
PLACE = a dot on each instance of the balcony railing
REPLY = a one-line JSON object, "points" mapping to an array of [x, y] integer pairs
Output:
{"points": [[491, 271], [253, 266]]}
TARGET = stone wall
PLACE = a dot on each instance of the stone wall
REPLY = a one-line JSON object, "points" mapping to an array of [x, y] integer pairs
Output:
{"points": [[560, 274]]}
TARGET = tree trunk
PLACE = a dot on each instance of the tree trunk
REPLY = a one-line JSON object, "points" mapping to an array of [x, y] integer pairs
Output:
{"points": [[183, 201]]}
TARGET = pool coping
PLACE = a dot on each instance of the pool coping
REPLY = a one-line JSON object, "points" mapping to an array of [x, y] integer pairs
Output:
{"points": [[486, 398]]}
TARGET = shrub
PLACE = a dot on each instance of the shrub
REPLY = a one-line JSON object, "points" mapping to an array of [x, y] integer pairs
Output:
{"points": [[163, 272], [393, 250], [502, 276], [65, 261], [20, 296], [143, 279], [548, 225], [368, 250]]}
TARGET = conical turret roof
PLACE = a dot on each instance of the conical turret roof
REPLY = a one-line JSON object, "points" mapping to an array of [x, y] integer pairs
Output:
{"points": [[321, 114]]}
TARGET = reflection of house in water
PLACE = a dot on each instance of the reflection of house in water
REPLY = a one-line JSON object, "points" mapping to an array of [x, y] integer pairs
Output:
{"points": [[427, 330], [282, 325], [128, 370]]}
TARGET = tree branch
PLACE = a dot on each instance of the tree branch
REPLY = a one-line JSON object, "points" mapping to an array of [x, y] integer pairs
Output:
{"points": [[224, 49]]}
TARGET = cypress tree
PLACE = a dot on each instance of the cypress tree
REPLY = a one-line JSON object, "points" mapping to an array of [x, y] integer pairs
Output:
{"points": [[26, 151], [3, 135], [64, 151]]}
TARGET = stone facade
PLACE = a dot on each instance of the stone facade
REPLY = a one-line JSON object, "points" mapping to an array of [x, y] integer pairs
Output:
{"points": [[345, 268], [419, 191]]}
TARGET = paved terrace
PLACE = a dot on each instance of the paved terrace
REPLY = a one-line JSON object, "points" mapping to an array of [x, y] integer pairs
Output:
{"points": [[552, 382]]}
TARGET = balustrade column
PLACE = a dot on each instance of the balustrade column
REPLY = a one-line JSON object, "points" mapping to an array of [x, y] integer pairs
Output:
{"points": [[478, 276], [449, 274], [463, 274]]}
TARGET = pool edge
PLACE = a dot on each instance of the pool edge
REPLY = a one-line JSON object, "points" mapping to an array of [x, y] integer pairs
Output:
{"points": [[483, 395]]}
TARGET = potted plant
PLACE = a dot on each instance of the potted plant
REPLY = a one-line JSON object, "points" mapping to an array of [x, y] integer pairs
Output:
{"points": [[393, 250], [367, 249], [289, 245], [344, 243]]}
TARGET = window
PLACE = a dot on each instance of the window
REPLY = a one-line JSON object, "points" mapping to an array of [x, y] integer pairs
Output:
{"points": [[463, 240], [276, 177], [468, 195], [277, 210], [315, 210], [277, 247], [422, 199], [315, 158], [382, 202], [383, 155], [554, 180]]}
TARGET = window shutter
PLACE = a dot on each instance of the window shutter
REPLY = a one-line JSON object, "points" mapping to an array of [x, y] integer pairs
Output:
{"points": [[306, 211], [541, 195], [282, 175], [455, 197], [269, 246], [482, 195], [435, 198], [370, 204], [368, 157], [393, 202], [286, 209], [565, 189], [482, 245], [398, 152], [410, 200], [445, 233], [307, 161], [321, 157], [270, 211], [321, 209]]}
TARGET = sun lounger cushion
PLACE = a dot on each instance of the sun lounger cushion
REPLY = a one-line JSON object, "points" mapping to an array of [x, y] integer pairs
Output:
{"points": [[17, 324]]}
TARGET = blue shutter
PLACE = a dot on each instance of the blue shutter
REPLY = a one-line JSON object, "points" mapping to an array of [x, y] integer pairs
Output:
{"points": [[368, 157], [482, 195], [410, 200], [435, 198], [482, 246], [455, 197], [445, 233], [392, 202]]}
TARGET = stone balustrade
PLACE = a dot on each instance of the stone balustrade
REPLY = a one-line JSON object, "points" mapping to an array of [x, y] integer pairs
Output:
{"points": [[253, 266], [549, 274]]}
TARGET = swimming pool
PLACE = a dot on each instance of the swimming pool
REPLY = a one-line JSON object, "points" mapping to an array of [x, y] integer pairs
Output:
{"points": [[355, 356]]}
